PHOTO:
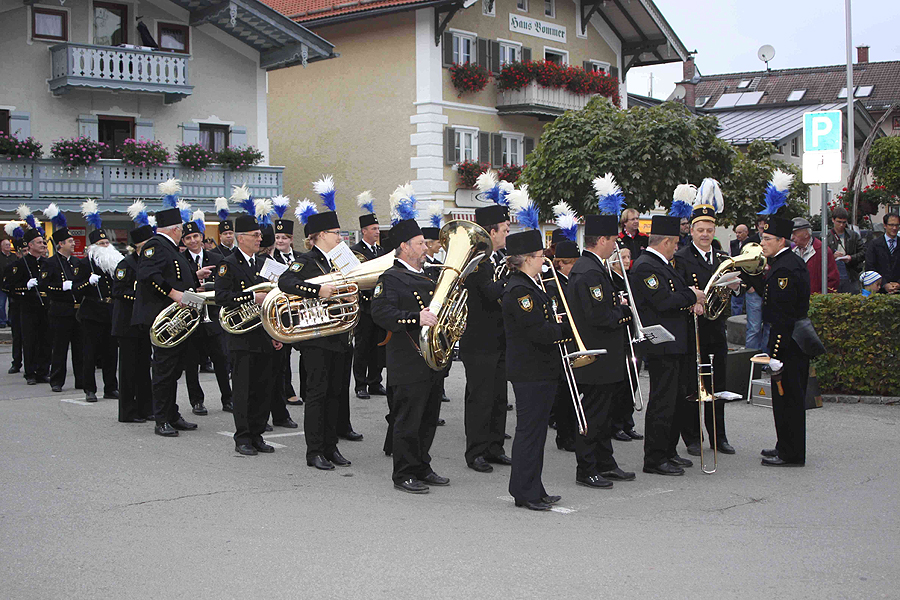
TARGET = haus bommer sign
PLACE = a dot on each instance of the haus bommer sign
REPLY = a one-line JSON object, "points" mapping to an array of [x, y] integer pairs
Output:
{"points": [[541, 29]]}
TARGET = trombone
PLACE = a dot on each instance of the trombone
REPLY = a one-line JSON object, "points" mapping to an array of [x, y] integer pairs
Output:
{"points": [[635, 336], [570, 360], [706, 395]]}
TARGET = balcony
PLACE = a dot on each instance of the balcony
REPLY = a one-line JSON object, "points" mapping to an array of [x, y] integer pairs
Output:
{"points": [[115, 185], [85, 66], [539, 101]]}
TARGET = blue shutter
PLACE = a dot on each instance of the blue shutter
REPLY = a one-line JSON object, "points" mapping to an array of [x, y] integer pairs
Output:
{"points": [[20, 124], [190, 133]]}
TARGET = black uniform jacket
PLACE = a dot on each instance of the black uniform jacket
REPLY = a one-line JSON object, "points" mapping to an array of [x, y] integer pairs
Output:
{"points": [[21, 271], [662, 298], [695, 271], [56, 270], [210, 259], [96, 300], [432, 268], [293, 281], [124, 283], [161, 269], [365, 298], [484, 325], [225, 250], [531, 331], [600, 318], [398, 298], [233, 276], [785, 300]]}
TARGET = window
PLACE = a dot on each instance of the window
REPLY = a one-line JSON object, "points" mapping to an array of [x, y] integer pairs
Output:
{"points": [[522, 5], [550, 8], [110, 24], [512, 149], [779, 149], [796, 95], [112, 131], [701, 101], [466, 144], [463, 48], [4, 121], [560, 57], [510, 53], [174, 37], [214, 137], [597, 66], [488, 8], [795, 147], [842, 93], [744, 84], [864, 91], [49, 24]]}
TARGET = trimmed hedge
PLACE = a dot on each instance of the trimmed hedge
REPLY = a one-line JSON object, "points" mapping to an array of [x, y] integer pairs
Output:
{"points": [[862, 341]]}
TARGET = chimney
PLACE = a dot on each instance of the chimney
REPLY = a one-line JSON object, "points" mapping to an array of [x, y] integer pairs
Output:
{"points": [[862, 54], [690, 87]]}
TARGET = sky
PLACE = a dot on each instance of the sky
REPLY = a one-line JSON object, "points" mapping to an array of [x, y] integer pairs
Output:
{"points": [[728, 33]]}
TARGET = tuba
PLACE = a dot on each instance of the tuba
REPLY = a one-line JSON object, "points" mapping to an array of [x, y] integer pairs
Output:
{"points": [[176, 322], [466, 245], [244, 318], [291, 319], [718, 295]]}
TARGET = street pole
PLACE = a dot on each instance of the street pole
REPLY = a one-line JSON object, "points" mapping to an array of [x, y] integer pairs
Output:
{"points": [[824, 237], [850, 128]]}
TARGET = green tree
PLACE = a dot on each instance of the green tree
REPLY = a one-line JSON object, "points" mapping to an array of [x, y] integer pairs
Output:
{"points": [[884, 158]]}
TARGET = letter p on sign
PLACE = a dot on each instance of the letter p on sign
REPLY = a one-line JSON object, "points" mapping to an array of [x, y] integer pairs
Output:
{"points": [[822, 131]]}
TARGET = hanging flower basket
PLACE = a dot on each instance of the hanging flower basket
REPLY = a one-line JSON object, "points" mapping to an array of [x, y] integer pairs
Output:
{"points": [[468, 171], [239, 159], [12, 148], [194, 156], [469, 78], [144, 153], [77, 152]]}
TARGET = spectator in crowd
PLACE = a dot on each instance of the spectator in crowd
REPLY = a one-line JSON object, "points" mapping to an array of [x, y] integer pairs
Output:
{"points": [[742, 233], [871, 283], [757, 235], [6, 257], [810, 250], [685, 237], [757, 331], [849, 251], [631, 236], [882, 254]]}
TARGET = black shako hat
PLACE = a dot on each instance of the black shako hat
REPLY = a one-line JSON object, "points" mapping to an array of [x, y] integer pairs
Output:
{"points": [[665, 225], [491, 215], [525, 242], [322, 221], [168, 217], [97, 235], [567, 249], [704, 213], [285, 226], [245, 224], [268, 236], [404, 231], [189, 228], [31, 234], [778, 226], [601, 225], [60, 235], [367, 219], [141, 234], [431, 233], [225, 226], [558, 236]]}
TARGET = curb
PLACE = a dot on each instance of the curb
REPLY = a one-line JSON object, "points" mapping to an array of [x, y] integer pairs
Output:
{"points": [[846, 399]]}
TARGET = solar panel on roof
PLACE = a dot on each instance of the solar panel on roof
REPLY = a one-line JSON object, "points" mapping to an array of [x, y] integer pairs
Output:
{"points": [[727, 100]]}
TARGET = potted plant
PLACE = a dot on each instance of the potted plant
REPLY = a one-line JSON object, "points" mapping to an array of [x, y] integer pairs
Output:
{"points": [[144, 153], [12, 148], [239, 159], [515, 75], [194, 156], [509, 173], [77, 152], [469, 78], [468, 171]]}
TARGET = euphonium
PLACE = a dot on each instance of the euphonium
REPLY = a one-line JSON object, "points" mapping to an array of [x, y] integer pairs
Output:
{"points": [[244, 317], [466, 245], [290, 319], [751, 261], [176, 322]]}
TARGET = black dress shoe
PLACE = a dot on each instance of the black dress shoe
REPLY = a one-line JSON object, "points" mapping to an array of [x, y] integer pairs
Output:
{"points": [[14, 370], [294, 401], [619, 475], [263, 447], [269, 427], [594, 481], [200, 410], [113, 395], [777, 462], [183, 425], [207, 368], [90, 397], [246, 449], [351, 436], [377, 390], [362, 394], [694, 449], [338, 460], [165, 430], [551, 499], [633, 434], [444, 398], [55, 388], [481, 465], [725, 448], [411, 486], [772, 453], [533, 505], [435, 479], [31, 381], [227, 407], [501, 459], [665, 468], [134, 420], [621, 436], [441, 422], [289, 423], [44, 379], [320, 462], [678, 461], [567, 445]]}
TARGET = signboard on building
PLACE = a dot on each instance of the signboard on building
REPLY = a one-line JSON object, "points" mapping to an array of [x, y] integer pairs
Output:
{"points": [[78, 233], [536, 28], [822, 142]]}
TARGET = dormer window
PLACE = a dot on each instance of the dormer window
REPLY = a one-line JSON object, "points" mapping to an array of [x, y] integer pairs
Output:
{"points": [[796, 95], [744, 84], [864, 91], [701, 101]]}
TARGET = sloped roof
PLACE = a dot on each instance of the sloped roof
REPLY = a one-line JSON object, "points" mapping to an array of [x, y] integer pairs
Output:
{"points": [[313, 10]]}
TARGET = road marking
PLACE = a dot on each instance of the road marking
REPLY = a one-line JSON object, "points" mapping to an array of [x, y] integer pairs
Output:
{"points": [[74, 401], [557, 509], [271, 435], [231, 435]]}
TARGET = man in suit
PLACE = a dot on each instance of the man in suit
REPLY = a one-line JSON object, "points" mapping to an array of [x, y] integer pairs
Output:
{"points": [[164, 274], [849, 251], [251, 353], [15, 311], [226, 238], [61, 278], [483, 350], [368, 357], [95, 315], [742, 233], [601, 319], [631, 236], [400, 305], [283, 388], [882, 255], [663, 298], [24, 283]]}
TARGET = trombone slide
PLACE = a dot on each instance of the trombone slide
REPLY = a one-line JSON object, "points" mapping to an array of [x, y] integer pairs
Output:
{"points": [[706, 395]]}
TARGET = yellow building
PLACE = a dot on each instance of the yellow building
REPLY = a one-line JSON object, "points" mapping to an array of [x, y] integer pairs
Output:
{"points": [[386, 112]]}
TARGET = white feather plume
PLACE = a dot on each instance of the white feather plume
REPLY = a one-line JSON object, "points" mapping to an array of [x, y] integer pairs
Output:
{"points": [[781, 180], [506, 186], [23, 211], [486, 181], [562, 208], [606, 185], [169, 186], [198, 215], [239, 192], [280, 200], [710, 193], [262, 207], [10, 228], [89, 207], [51, 211], [324, 185], [685, 192], [364, 198], [136, 208], [302, 207], [519, 199], [221, 203], [151, 220], [435, 209], [183, 204]]}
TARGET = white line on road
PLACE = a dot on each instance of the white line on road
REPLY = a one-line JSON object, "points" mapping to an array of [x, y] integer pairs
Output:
{"points": [[231, 434], [557, 509], [74, 401]]}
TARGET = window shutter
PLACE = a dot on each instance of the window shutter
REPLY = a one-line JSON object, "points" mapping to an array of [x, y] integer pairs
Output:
{"points": [[190, 133], [20, 124], [450, 145], [481, 50], [495, 57], [143, 129], [588, 66], [526, 54], [484, 147], [529, 148], [89, 127], [448, 48], [238, 136], [496, 150], [614, 71]]}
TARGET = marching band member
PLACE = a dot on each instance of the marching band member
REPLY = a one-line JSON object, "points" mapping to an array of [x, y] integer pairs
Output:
{"points": [[226, 229], [622, 412], [432, 236], [283, 253], [15, 233]]}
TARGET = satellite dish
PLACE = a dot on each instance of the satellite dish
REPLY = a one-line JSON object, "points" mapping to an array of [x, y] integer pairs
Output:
{"points": [[679, 92], [765, 54]]}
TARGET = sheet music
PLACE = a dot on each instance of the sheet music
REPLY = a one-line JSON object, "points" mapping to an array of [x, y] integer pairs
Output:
{"points": [[342, 258], [189, 298], [728, 396], [272, 269]]}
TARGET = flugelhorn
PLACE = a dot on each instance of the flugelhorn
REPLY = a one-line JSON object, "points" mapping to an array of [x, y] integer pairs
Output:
{"points": [[751, 260], [244, 317], [176, 322]]}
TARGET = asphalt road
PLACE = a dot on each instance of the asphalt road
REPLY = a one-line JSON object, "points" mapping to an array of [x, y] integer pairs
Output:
{"points": [[91, 508]]}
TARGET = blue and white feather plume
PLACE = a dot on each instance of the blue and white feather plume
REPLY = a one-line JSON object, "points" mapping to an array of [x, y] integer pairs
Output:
{"points": [[262, 208], [304, 210], [403, 204], [138, 213], [169, 189], [610, 199], [776, 192], [524, 208], [682, 199], [200, 219], [185, 208], [366, 201], [280, 205], [24, 213], [567, 220], [91, 213], [240, 194], [325, 189], [710, 194], [436, 216], [222, 208], [56, 216]]}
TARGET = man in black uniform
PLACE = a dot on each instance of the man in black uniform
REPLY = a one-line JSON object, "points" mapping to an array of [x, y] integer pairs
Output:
{"points": [[483, 351], [432, 269], [24, 281], [135, 394], [785, 302], [368, 356], [400, 305], [95, 315], [601, 320], [565, 254], [226, 238], [61, 277], [285, 254], [251, 353], [283, 388], [164, 274], [696, 262], [663, 298], [15, 312]]}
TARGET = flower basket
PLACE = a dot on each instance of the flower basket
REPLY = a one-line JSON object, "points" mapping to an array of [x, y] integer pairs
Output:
{"points": [[144, 153], [510, 173], [870, 198], [15, 149], [194, 156], [239, 159], [516, 76], [469, 78], [468, 171], [77, 152]]}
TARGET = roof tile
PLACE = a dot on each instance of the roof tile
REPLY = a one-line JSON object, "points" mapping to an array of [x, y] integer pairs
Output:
{"points": [[309, 10]]}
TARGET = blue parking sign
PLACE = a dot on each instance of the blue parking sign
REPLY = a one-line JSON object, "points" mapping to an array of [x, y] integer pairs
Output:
{"points": [[822, 131]]}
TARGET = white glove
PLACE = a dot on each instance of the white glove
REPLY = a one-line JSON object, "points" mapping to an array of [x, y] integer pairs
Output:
{"points": [[775, 365], [94, 279], [67, 286], [32, 283]]}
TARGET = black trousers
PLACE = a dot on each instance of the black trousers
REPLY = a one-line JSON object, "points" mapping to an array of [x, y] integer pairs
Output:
{"points": [[690, 429], [594, 451], [415, 408], [66, 331], [368, 356], [323, 371], [287, 376], [621, 413], [98, 342], [564, 413], [15, 323], [343, 416], [203, 344], [280, 365], [668, 407], [485, 408], [789, 409], [252, 374], [135, 397], [533, 402], [165, 369]]}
